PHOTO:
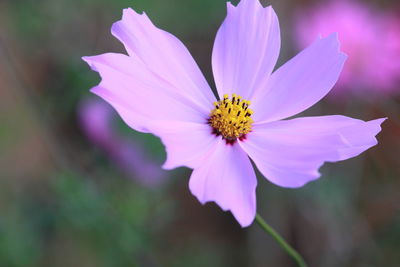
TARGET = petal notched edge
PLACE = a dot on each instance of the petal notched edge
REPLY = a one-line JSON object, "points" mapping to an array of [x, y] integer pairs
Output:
{"points": [[357, 143]]}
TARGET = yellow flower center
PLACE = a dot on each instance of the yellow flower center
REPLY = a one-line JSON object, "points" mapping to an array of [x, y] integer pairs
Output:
{"points": [[231, 118]]}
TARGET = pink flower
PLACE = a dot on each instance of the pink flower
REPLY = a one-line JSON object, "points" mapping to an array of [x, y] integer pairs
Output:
{"points": [[95, 118], [159, 89], [370, 38]]}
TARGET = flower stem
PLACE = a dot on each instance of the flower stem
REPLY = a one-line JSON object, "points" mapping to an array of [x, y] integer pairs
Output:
{"points": [[286, 247]]}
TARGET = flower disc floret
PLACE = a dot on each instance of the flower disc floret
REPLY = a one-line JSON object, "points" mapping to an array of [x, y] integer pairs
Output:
{"points": [[231, 117]]}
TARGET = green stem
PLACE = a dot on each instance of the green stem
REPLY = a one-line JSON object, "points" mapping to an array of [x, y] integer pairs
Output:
{"points": [[289, 250]]}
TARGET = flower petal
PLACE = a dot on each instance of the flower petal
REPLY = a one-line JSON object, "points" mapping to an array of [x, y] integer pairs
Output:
{"points": [[227, 178], [289, 153], [163, 54], [301, 82], [139, 95], [186, 143], [246, 48]]}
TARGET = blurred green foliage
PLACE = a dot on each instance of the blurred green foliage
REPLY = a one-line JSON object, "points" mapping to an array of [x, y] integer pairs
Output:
{"points": [[111, 221]]}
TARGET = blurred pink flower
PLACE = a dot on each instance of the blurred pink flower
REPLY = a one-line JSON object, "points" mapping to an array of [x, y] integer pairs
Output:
{"points": [[96, 117], [159, 89], [370, 38]]}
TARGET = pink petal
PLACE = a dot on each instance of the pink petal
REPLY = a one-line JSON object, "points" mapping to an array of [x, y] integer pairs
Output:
{"points": [[139, 95], [227, 178], [301, 82], [186, 143], [289, 153], [163, 54], [246, 48]]}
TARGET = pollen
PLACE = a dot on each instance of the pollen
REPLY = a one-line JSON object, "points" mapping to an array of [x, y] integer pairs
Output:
{"points": [[231, 118]]}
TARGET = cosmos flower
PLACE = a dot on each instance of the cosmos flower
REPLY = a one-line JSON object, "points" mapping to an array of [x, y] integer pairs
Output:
{"points": [[96, 117], [159, 89], [369, 37]]}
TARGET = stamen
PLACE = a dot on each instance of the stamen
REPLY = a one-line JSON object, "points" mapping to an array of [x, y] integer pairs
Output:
{"points": [[231, 118]]}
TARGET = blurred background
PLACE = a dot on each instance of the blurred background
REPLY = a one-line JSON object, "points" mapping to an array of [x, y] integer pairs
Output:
{"points": [[79, 188]]}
